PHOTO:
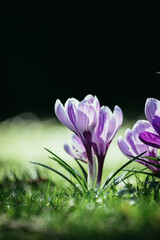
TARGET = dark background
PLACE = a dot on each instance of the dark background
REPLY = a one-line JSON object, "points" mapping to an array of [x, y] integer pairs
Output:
{"points": [[60, 50]]}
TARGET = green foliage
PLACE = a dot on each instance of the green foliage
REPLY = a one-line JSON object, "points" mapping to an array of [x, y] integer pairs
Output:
{"points": [[37, 209], [82, 179]]}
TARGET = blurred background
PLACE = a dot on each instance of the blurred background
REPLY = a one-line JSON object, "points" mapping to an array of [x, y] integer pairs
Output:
{"points": [[61, 50]]}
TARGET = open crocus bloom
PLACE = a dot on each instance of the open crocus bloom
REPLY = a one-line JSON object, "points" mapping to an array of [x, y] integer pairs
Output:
{"points": [[132, 145], [95, 128], [152, 112]]}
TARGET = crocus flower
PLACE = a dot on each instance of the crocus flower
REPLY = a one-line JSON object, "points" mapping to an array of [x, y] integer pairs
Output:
{"points": [[108, 125], [132, 145], [152, 112], [94, 127], [101, 136], [82, 118]]}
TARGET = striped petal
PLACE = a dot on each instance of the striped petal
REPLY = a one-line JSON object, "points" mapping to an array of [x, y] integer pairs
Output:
{"points": [[150, 139], [62, 115], [125, 147], [132, 142], [152, 107], [77, 150], [70, 151], [118, 116], [85, 117], [156, 123], [71, 111]]}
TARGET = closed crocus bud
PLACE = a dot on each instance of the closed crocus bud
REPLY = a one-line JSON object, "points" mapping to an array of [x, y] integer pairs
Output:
{"points": [[77, 149]]}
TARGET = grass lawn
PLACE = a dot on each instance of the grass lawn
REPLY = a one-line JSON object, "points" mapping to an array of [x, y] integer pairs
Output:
{"points": [[35, 203]]}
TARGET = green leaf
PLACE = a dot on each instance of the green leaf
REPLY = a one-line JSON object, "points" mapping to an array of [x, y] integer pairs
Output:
{"points": [[142, 160], [152, 158], [123, 166], [117, 180], [120, 178], [83, 170], [68, 168], [138, 171], [52, 169]]}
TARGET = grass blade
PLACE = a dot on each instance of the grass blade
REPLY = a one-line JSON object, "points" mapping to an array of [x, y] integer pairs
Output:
{"points": [[152, 158], [83, 170], [142, 160], [63, 163], [52, 169], [120, 178], [123, 166], [116, 180], [138, 171], [68, 168]]}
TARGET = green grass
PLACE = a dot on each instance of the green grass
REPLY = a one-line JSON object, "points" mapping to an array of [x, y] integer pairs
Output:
{"points": [[40, 210], [38, 204]]}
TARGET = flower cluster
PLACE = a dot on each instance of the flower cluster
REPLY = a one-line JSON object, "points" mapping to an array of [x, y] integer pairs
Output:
{"points": [[143, 137], [94, 128]]}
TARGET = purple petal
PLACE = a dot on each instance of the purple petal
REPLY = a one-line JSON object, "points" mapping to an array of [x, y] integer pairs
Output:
{"points": [[141, 126], [118, 115], [69, 151], [156, 123], [133, 142], [96, 105], [103, 130], [85, 117], [111, 129], [77, 144], [108, 124], [89, 98], [104, 119], [151, 107], [78, 150], [62, 115], [71, 109], [130, 140], [150, 139], [125, 147]]}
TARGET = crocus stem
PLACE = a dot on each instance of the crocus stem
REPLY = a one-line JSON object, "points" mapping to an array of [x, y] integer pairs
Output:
{"points": [[100, 169], [90, 175], [91, 167]]}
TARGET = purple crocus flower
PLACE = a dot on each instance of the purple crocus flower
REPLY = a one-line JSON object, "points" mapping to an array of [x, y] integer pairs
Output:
{"points": [[108, 125], [132, 145], [94, 127], [152, 112], [82, 118]]}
